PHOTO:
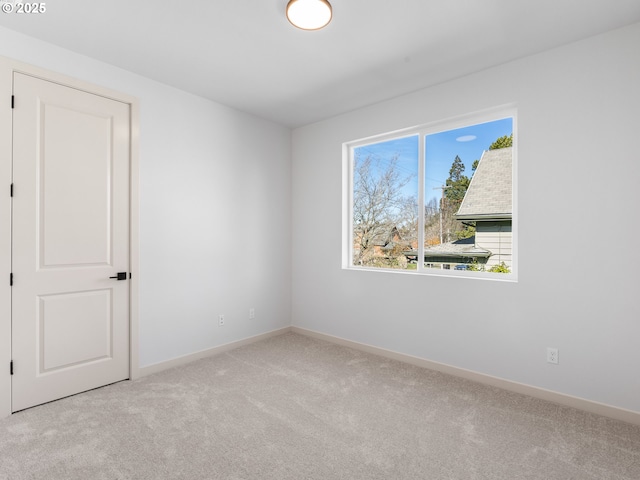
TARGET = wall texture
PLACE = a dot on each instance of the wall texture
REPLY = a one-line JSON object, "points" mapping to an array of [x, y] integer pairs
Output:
{"points": [[215, 209], [218, 192], [578, 198]]}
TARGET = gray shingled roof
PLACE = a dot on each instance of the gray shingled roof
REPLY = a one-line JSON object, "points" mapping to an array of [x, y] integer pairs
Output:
{"points": [[489, 194], [464, 248], [455, 250]]}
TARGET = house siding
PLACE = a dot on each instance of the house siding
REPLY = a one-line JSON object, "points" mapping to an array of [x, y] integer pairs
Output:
{"points": [[496, 237]]}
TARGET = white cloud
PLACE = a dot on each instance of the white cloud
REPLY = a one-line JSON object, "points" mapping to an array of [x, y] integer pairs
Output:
{"points": [[466, 138]]}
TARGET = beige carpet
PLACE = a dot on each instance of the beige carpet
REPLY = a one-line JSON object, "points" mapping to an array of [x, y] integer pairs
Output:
{"points": [[296, 408]]}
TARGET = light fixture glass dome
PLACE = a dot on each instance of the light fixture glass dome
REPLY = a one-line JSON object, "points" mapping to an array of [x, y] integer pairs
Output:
{"points": [[309, 14]]}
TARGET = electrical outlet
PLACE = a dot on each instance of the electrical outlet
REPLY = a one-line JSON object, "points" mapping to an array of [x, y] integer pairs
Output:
{"points": [[252, 313], [552, 355], [220, 320]]}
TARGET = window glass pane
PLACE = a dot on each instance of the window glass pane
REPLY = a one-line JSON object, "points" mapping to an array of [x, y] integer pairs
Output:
{"points": [[468, 198], [385, 206]]}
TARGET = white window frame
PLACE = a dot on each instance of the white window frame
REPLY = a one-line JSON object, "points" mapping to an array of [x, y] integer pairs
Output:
{"points": [[348, 148]]}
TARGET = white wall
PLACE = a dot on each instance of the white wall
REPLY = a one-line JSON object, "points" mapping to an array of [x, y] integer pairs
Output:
{"points": [[215, 210], [578, 131], [216, 219]]}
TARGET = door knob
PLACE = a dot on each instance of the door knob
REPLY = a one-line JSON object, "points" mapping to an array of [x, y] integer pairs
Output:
{"points": [[121, 276]]}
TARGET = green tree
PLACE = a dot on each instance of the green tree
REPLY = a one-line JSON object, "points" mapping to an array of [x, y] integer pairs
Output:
{"points": [[457, 185], [457, 169], [502, 142], [500, 268]]}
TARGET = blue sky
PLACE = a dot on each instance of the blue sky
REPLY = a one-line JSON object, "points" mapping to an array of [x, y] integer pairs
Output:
{"points": [[468, 143], [441, 149]]}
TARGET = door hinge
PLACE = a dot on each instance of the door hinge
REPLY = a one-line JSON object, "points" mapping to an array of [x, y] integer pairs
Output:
{"points": [[11, 279], [11, 367], [12, 189], [13, 101]]}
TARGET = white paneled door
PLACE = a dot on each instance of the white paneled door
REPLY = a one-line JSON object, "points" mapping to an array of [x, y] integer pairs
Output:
{"points": [[70, 318]]}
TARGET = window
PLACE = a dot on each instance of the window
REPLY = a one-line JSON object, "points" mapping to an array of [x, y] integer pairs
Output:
{"points": [[434, 199], [385, 193]]}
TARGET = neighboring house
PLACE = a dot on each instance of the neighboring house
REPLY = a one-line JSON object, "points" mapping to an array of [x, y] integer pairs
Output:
{"points": [[488, 202], [450, 255], [383, 244]]}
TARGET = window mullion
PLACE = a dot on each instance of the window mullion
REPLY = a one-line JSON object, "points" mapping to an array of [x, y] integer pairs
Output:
{"points": [[347, 212], [421, 180]]}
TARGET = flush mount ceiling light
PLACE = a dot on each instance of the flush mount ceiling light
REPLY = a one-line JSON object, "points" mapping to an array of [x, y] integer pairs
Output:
{"points": [[309, 14]]}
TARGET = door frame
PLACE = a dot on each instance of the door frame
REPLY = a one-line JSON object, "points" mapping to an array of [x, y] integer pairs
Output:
{"points": [[7, 68]]}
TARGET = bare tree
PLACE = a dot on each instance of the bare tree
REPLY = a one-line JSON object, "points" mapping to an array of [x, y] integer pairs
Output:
{"points": [[381, 209], [432, 222]]}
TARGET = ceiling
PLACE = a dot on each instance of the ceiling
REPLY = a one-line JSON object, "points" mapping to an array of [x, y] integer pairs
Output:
{"points": [[245, 54]]}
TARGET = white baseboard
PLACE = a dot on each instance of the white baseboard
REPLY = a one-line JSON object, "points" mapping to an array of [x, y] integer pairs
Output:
{"points": [[616, 413], [175, 362]]}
